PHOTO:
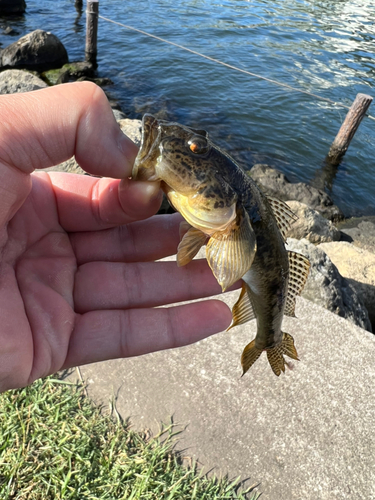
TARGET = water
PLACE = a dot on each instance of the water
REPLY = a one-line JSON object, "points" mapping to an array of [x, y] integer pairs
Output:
{"points": [[321, 47]]}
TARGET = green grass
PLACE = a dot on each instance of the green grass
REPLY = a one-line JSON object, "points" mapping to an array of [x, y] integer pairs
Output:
{"points": [[56, 444]]}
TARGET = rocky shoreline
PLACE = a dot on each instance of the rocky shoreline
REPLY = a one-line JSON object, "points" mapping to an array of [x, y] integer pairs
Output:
{"points": [[341, 252]]}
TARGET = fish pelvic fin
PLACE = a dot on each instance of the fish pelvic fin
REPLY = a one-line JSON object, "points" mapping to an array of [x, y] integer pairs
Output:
{"points": [[249, 356], [276, 354], [242, 311], [191, 243]]}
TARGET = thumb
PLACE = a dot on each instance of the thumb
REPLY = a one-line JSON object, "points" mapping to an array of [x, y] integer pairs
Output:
{"points": [[46, 127]]}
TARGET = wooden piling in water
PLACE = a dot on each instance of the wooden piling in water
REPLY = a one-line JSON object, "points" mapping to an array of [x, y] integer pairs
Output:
{"points": [[92, 14], [346, 133]]}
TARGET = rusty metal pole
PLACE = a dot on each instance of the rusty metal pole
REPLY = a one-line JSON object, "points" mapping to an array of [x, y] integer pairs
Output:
{"points": [[92, 14], [346, 133]]}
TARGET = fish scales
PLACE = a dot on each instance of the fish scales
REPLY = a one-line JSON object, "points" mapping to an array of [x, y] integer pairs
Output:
{"points": [[244, 231]]}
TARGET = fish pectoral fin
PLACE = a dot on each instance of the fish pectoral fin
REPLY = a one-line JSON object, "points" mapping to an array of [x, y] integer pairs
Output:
{"points": [[249, 356], [190, 245], [299, 267], [276, 354], [242, 311], [283, 214], [184, 228], [231, 252]]}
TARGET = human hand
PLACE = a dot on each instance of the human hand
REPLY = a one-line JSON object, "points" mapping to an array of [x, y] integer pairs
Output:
{"points": [[77, 279]]}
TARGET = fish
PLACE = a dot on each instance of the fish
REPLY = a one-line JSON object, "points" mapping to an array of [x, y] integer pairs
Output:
{"points": [[244, 231]]}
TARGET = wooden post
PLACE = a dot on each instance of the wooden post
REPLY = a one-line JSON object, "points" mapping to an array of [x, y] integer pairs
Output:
{"points": [[79, 8], [92, 13], [346, 133]]}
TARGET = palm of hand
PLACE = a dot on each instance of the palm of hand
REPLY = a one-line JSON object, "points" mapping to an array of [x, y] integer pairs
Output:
{"points": [[83, 296], [41, 268]]}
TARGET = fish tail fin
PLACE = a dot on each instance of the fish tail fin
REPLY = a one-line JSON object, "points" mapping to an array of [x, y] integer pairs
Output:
{"points": [[249, 356], [276, 354]]}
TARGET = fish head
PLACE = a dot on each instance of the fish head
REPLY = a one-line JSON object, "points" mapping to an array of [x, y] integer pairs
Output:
{"points": [[192, 172]]}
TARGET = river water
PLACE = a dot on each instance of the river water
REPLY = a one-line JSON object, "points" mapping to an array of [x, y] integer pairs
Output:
{"points": [[326, 48]]}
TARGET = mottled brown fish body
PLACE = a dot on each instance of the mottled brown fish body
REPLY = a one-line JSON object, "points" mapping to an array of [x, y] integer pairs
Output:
{"points": [[245, 230]]}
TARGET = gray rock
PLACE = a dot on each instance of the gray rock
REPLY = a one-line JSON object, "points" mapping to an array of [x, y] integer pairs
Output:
{"points": [[360, 231], [38, 50], [10, 31], [275, 183], [56, 76], [16, 80], [325, 285], [70, 166], [131, 128], [12, 7], [119, 115], [311, 225], [358, 267], [100, 81], [306, 435], [78, 69]]}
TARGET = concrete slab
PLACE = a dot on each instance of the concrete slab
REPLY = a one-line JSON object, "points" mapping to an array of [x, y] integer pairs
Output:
{"points": [[307, 435]]}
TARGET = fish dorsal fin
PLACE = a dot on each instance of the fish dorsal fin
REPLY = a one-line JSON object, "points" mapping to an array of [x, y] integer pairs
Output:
{"points": [[242, 311], [189, 246], [299, 267], [231, 252], [283, 214]]}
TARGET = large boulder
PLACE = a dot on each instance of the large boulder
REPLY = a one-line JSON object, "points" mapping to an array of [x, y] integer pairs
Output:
{"points": [[358, 266], [311, 225], [275, 183], [39, 50], [75, 70], [325, 285], [360, 231], [12, 7], [17, 80]]}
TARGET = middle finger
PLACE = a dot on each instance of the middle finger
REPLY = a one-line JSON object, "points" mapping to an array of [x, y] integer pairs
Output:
{"points": [[114, 285], [141, 241]]}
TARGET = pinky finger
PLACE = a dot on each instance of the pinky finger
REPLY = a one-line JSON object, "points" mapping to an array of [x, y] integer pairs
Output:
{"points": [[102, 335]]}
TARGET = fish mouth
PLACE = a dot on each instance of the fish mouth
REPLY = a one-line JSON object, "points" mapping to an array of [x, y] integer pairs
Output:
{"points": [[150, 132]]}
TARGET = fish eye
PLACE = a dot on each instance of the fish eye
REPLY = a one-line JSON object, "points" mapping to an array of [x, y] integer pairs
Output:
{"points": [[198, 145]]}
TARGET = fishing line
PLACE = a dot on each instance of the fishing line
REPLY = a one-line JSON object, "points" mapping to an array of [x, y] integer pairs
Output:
{"points": [[275, 82]]}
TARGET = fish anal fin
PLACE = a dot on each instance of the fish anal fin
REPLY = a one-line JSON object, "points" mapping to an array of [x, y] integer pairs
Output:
{"points": [[276, 354], [283, 214], [190, 245], [289, 347], [299, 267], [231, 252], [242, 311], [249, 356]]}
